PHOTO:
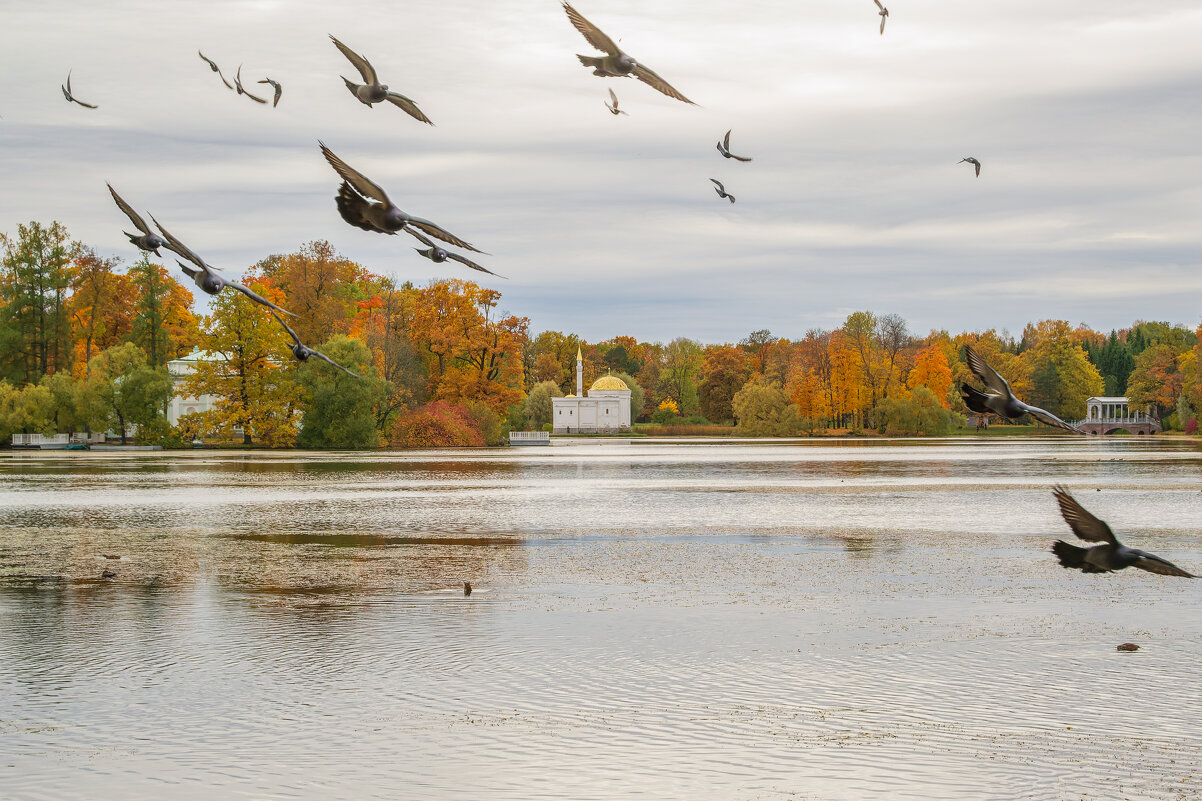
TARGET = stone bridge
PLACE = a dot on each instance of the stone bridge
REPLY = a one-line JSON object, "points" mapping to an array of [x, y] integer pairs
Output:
{"points": [[1134, 424]]}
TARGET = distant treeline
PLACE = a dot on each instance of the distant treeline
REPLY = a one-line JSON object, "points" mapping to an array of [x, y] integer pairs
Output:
{"points": [[85, 342]]}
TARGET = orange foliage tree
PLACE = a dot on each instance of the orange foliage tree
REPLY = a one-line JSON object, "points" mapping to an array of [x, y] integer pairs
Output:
{"points": [[932, 371], [473, 353], [101, 308]]}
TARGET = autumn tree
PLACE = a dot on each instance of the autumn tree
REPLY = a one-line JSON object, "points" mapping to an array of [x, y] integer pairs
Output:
{"points": [[251, 372], [383, 321], [474, 352], [1062, 377], [1158, 379], [725, 371], [101, 307], [321, 287], [932, 371], [34, 282]]}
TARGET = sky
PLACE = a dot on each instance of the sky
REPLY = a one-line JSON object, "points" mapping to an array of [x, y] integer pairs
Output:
{"points": [[1086, 118]]}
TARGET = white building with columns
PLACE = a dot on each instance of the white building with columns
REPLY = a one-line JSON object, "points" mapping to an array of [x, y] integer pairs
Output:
{"points": [[605, 410]]}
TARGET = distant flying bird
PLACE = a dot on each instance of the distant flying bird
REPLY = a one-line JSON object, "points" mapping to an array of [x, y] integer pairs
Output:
{"points": [[615, 63], [147, 241], [108, 574], [303, 352], [1111, 555], [973, 162], [1001, 401], [721, 190], [70, 97], [372, 91], [213, 65], [242, 89], [206, 278], [883, 13], [613, 106], [355, 206], [438, 255], [724, 149], [279, 90]]}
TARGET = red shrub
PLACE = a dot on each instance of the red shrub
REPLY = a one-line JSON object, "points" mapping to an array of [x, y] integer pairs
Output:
{"points": [[436, 425]]}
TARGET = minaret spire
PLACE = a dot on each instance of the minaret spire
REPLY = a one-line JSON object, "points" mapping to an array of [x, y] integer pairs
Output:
{"points": [[579, 374]]}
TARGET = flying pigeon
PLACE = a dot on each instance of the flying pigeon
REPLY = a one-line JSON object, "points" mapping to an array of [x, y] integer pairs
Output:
{"points": [[438, 254], [206, 277], [613, 106], [615, 63], [279, 90], [724, 149], [1001, 400], [1111, 555], [146, 241], [973, 162], [883, 13], [213, 65], [721, 190], [355, 206], [302, 352], [70, 97], [372, 91], [242, 90]]}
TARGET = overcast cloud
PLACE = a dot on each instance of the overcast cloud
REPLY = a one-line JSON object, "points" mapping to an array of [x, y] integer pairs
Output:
{"points": [[1086, 117]]}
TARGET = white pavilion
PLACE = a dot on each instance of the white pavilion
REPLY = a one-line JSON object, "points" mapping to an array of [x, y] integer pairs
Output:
{"points": [[605, 410]]}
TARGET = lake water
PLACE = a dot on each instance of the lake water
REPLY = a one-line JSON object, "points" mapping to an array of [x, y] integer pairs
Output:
{"points": [[736, 621]]}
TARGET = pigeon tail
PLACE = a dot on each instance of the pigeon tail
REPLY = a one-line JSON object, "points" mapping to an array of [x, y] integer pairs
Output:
{"points": [[974, 399], [1072, 557], [598, 65]]}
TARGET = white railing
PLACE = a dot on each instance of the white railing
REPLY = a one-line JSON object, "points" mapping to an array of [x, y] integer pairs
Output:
{"points": [[35, 440], [529, 436], [1137, 419]]}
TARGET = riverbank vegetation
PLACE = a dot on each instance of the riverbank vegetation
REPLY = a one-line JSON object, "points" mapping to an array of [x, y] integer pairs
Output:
{"points": [[86, 344]]}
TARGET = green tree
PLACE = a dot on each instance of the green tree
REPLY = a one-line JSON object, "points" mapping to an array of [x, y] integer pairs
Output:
{"points": [[34, 323], [70, 405], [128, 392], [1062, 377], [163, 322], [762, 410], [538, 404], [681, 369], [339, 409], [726, 370], [921, 412]]}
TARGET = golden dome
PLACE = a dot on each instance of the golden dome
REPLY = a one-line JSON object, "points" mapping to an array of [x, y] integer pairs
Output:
{"points": [[569, 395], [609, 382]]}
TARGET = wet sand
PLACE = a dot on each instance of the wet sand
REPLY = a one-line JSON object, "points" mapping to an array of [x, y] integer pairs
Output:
{"points": [[813, 621]]}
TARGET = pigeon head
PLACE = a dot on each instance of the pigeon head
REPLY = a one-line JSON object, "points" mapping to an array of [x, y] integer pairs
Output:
{"points": [[384, 87], [210, 283]]}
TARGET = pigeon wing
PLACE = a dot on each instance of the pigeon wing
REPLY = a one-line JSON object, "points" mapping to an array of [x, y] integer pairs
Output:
{"points": [[420, 238], [356, 179], [1083, 524], [719, 183], [726, 141], [212, 64], [883, 18], [983, 371], [438, 232], [175, 246], [257, 298], [408, 106], [1049, 419], [649, 77], [1154, 564], [133, 216], [359, 62], [878, 4], [591, 32], [287, 327], [328, 360], [471, 264]]}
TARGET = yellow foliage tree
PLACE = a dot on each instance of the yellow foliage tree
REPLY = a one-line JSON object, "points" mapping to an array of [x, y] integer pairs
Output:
{"points": [[932, 371]]}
